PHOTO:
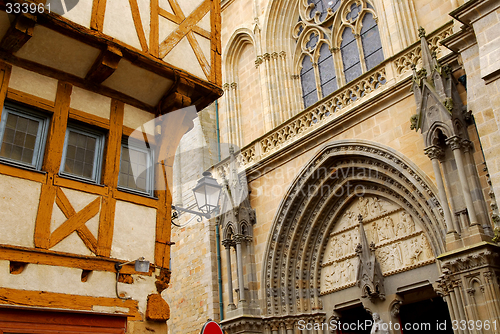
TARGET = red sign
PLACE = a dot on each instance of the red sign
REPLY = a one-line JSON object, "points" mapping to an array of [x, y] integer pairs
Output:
{"points": [[211, 327]]}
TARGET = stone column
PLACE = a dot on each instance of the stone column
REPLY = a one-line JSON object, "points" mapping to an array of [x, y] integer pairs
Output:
{"points": [[227, 244], [238, 239], [460, 303], [455, 145], [285, 79], [434, 152]]}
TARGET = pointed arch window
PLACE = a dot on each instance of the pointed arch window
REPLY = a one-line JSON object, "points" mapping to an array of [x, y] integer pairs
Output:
{"points": [[337, 41]]}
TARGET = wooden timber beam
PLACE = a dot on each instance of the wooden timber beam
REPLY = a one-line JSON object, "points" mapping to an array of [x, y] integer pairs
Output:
{"points": [[105, 65], [66, 302], [60, 259], [19, 32]]}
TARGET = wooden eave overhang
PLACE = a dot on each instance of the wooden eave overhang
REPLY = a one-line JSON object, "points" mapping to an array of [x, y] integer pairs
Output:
{"points": [[202, 94]]}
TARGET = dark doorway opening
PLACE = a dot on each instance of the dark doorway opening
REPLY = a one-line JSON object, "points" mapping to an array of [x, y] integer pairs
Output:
{"points": [[430, 315], [355, 321]]}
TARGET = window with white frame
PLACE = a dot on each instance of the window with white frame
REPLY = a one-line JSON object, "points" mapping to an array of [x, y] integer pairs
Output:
{"points": [[136, 168], [337, 41], [23, 133], [83, 154]]}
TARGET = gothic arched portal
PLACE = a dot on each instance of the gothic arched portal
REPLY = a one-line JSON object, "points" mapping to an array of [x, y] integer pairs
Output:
{"points": [[344, 179]]}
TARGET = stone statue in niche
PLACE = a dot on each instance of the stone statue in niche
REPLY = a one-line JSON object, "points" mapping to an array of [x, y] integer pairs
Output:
{"points": [[379, 326]]}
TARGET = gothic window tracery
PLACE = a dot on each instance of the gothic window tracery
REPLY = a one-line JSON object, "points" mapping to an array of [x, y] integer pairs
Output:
{"points": [[337, 41]]}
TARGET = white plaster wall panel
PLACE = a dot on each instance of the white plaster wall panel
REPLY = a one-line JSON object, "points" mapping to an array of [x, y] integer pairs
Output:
{"points": [[50, 48], [16, 196], [81, 13], [165, 28], [137, 82], [182, 56], [188, 7], [78, 199], [68, 280], [57, 218], [135, 118], [205, 46], [205, 23], [72, 244], [90, 102], [145, 11], [4, 23], [166, 5], [33, 83], [134, 232], [119, 23]]}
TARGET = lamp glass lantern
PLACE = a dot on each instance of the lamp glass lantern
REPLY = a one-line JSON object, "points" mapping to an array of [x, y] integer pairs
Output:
{"points": [[207, 193]]}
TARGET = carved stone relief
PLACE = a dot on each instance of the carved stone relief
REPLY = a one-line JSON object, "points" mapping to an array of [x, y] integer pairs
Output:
{"points": [[400, 244]]}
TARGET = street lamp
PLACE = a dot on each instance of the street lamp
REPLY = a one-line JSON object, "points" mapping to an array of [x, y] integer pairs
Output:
{"points": [[206, 194]]}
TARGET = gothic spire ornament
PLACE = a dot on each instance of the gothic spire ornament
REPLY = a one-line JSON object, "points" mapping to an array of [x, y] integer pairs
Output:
{"points": [[369, 277]]}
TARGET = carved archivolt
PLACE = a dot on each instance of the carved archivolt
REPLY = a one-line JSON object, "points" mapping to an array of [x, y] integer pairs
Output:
{"points": [[400, 244], [317, 211]]}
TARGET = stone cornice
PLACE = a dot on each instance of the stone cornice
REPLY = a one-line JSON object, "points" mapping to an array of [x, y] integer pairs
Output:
{"points": [[474, 10]]}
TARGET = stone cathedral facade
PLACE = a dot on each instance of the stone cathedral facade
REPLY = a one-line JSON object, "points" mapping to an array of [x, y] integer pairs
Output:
{"points": [[362, 175]]}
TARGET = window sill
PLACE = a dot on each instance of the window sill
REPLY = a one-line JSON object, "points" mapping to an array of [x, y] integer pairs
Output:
{"points": [[22, 171], [79, 184]]}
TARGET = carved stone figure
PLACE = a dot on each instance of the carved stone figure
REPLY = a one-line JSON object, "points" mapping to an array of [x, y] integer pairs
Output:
{"points": [[416, 250], [374, 233], [395, 256], [363, 206], [333, 243], [400, 229], [379, 326], [331, 278], [408, 222], [349, 271], [376, 206], [345, 244], [426, 247]]}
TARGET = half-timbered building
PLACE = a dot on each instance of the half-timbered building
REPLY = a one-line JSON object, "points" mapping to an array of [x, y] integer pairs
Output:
{"points": [[81, 81]]}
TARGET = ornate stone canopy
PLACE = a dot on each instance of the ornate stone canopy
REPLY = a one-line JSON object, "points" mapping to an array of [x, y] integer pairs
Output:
{"points": [[340, 174]]}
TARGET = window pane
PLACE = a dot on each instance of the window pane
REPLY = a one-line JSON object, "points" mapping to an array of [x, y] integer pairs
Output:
{"points": [[327, 71], [134, 170], [19, 138], [308, 80], [350, 56], [80, 154], [370, 39]]}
